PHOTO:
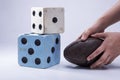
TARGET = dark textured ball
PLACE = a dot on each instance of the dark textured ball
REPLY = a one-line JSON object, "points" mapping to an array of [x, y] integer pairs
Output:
{"points": [[78, 51]]}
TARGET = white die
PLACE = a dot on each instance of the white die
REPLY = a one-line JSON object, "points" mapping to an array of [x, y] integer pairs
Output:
{"points": [[47, 20]]}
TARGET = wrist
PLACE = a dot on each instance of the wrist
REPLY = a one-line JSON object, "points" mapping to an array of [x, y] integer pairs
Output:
{"points": [[102, 23]]}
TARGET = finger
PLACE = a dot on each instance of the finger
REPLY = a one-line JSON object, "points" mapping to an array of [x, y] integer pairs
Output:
{"points": [[111, 60], [96, 53], [101, 61], [99, 35], [108, 60], [79, 37], [85, 35]]}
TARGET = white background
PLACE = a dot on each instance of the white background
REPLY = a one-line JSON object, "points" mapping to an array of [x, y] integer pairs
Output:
{"points": [[79, 15]]}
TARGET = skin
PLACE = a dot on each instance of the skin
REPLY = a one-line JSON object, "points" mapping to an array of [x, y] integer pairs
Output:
{"points": [[111, 44]]}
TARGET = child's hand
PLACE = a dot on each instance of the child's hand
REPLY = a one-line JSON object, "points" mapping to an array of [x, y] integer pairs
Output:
{"points": [[110, 48]]}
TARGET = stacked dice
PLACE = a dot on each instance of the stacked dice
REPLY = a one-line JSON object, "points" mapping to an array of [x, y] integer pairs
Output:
{"points": [[41, 48]]}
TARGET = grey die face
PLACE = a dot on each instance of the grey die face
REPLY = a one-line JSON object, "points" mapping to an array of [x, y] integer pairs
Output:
{"points": [[47, 20]]}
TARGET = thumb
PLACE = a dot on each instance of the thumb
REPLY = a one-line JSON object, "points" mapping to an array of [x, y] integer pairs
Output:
{"points": [[85, 35], [99, 35]]}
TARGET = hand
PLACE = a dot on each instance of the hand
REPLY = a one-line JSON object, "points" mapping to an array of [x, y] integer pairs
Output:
{"points": [[89, 32], [96, 28], [110, 48], [108, 18]]}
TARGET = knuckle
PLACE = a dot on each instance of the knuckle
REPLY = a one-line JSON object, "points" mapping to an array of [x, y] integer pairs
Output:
{"points": [[97, 51], [87, 32], [91, 56]]}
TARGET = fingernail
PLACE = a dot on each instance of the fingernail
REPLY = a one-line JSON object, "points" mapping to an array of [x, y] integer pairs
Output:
{"points": [[88, 58], [92, 67], [82, 37]]}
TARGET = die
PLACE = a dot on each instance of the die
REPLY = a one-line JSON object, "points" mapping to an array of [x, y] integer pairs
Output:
{"points": [[38, 51], [47, 20]]}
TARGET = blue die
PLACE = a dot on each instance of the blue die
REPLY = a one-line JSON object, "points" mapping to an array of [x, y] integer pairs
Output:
{"points": [[39, 51]]}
